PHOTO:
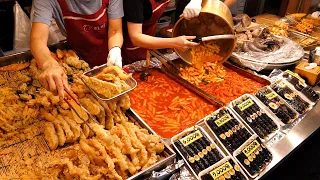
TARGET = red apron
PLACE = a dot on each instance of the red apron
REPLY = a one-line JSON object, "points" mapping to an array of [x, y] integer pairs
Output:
{"points": [[130, 53], [88, 34]]}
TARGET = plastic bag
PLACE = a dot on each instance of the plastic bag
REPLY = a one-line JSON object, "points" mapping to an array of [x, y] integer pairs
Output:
{"points": [[289, 52], [22, 28], [54, 31]]}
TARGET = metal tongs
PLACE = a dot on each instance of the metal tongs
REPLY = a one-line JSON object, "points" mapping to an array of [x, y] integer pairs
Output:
{"points": [[165, 61], [78, 103]]}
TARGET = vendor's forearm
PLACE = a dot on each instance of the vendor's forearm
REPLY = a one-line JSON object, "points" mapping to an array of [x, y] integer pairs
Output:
{"points": [[115, 40], [229, 3], [115, 37], [41, 53], [38, 45], [150, 42]]}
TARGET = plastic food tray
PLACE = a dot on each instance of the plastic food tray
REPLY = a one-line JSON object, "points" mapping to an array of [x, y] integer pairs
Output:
{"points": [[228, 158], [262, 107], [281, 101], [239, 150], [196, 127], [214, 134], [303, 97]]}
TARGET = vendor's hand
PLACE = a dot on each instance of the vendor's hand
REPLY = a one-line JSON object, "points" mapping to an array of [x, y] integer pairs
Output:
{"points": [[183, 43], [54, 79], [192, 10], [114, 57]]}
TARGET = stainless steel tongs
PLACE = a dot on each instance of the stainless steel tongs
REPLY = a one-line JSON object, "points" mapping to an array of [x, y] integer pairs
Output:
{"points": [[165, 61], [78, 103]]}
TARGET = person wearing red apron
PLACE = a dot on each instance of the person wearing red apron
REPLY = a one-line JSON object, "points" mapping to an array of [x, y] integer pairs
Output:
{"points": [[141, 20], [87, 34]]}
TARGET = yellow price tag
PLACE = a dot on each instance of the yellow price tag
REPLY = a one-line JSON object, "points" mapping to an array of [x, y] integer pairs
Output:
{"points": [[191, 138], [295, 75], [224, 119], [245, 104], [271, 95], [251, 148], [282, 84], [221, 170]]}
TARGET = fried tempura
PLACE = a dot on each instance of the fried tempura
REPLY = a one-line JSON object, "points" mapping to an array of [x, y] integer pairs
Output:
{"points": [[60, 133], [50, 136], [106, 89], [121, 74], [90, 106]]}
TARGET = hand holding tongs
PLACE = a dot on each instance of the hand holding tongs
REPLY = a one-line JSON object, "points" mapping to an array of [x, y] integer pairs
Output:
{"points": [[165, 61], [78, 103]]}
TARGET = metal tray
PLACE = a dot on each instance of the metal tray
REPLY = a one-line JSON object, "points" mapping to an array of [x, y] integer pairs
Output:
{"points": [[176, 137], [131, 82], [214, 134], [261, 106], [303, 97], [228, 158], [168, 152], [206, 95], [299, 37], [281, 101], [25, 56], [239, 150], [38, 146]]}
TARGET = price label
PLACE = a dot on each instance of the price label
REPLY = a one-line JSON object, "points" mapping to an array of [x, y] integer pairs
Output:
{"points": [[224, 119], [191, 138], [248, 150], [295, 75], [282, 84], [245, 104], [221, 170], [271, 95]]}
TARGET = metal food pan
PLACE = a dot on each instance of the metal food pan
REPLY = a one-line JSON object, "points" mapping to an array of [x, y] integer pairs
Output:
{"points": [[131, 82], [228, 158], [214, 134], [239, 150], [25, 56], [211, 98], [282, 101], [38, 146], [261, 106], [176, 137], [303, 97], [168, 152]]}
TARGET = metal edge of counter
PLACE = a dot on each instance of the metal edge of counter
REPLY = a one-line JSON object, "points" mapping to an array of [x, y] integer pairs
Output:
{"points": [[293, 139]]}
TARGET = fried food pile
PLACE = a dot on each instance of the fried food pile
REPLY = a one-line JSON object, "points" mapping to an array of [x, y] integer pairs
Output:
{"points": [[305, 26], [280, 28], [22, 95], [107, 84], [29, 113]]}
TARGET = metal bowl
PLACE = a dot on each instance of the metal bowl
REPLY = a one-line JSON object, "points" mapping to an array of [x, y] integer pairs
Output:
{"points": [[215, 19]]}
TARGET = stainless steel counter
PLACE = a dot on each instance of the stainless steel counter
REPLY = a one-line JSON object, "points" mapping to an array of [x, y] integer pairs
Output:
{"points": [[293, 139]]}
